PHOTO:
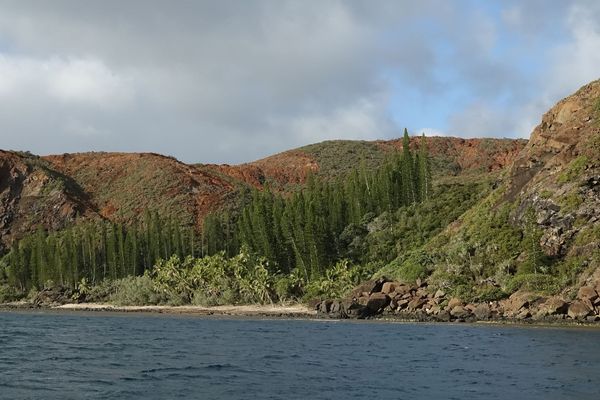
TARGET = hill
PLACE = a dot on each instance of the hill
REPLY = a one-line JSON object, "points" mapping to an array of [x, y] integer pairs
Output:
{"points": [[33, 194], [536, 234], [55, 191]]}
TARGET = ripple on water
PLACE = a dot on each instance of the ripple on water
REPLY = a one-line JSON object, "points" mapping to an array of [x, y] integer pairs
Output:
{"points": [[156, 357]]}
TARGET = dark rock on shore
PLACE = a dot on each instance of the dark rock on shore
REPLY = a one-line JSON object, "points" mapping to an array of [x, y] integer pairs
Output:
{"points": [[419, 302], [54, 296]]}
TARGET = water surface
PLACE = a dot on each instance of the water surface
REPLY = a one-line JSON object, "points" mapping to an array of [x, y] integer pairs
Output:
{"points": [[125, 356]]}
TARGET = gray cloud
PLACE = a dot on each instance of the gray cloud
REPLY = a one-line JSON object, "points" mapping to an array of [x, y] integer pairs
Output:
{"points": [[233, 81]]}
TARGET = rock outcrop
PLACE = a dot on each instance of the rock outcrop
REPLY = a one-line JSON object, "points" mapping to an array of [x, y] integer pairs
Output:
{"points": [[33, 195], [557, 175]]}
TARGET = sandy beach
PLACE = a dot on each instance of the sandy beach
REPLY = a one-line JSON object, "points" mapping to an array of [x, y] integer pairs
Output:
{"points": [[296, 310]]}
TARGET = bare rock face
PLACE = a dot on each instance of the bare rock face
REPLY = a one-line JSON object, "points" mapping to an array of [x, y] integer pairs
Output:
{"points": [[557, 174]]}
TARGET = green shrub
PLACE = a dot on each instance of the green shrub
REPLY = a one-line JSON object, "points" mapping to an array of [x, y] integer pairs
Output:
{"points": [[417, 265], [136, 291], [203, 298], [490, 293], [534, 282], [569, 270], [570, 202], [215, 279], [9, 293], [573, 170], [289, 287], [101, 292], [337, 282]]}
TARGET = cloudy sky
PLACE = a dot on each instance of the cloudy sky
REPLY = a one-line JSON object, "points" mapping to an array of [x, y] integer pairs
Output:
{"points": [[232, 81]]}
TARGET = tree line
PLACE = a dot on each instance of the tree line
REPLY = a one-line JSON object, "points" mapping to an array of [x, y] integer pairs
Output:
{"points": [[96, 251], [315, 227], [305, 232]]}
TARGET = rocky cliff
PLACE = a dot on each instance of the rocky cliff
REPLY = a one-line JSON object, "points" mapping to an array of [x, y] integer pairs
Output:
{"points": [[558, 173]]}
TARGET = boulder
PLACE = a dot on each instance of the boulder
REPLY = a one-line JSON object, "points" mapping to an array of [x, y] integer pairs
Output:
{"points": [[517, 301], [363, 300], [323, 307], [402, 303], [369, 287], [356, 311], [432, 309], [459, 312], [482, 312], [377, 302], [401, 289], [578, 310], [443, 316], [453, 302], [523, 314], [335, 307], [554, 306], [470, 307], [587, 293], [416, 303], [439, 294], [389, 287]]}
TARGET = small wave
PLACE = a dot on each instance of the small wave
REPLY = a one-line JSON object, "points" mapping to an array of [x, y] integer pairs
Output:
{"points": [[220, 366], [169, 369]]}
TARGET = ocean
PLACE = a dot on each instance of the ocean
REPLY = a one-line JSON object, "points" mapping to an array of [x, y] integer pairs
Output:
{"points": [[62, 355]]}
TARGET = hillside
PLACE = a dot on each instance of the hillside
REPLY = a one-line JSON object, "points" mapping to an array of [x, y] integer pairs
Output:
{"points": [[54, 191], [122, 186], [537, 234], [450, 156], [33, 195]]}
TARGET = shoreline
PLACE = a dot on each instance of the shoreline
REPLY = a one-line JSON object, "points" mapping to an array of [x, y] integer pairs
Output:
{"points": [[252, 310], [275, 311]]}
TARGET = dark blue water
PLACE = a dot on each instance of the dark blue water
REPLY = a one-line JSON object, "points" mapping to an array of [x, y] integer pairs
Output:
{"points": [[111, 356]]}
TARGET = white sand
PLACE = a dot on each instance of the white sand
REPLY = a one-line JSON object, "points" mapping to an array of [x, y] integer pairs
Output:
{"points": [[295, 310]]}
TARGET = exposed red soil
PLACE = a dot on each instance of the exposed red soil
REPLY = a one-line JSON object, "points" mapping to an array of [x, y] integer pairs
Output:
{"points": [[469, 154], [121, 186]]}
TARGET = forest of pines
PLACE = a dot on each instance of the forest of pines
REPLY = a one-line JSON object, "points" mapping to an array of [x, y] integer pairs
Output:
{"points": [[305, 232]]}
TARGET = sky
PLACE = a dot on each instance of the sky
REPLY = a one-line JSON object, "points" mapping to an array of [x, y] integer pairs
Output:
{"points": [[233, 81]]}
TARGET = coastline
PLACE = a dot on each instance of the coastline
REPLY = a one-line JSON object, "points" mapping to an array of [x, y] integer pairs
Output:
{"points": [[252, 310], [278, 311]]}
